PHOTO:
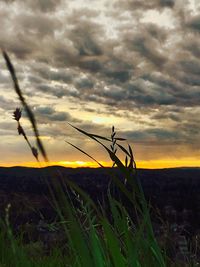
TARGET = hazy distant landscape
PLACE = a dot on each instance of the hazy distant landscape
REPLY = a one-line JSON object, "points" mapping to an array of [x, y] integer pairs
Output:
{"points": [[176, 187], [173, 194]]}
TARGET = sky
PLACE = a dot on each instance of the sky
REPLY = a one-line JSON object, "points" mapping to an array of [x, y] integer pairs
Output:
{"points": [[134, 64]]}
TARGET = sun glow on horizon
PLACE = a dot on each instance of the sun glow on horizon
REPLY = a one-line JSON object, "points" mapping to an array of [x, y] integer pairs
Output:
{"points": [[151, 164]]}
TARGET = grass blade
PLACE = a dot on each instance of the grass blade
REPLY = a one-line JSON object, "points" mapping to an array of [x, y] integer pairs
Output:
{"points": [[25, 105]]}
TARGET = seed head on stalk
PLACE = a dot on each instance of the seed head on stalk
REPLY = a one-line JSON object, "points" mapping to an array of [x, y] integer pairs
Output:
{"points": [[28, 110], [17, 116]]}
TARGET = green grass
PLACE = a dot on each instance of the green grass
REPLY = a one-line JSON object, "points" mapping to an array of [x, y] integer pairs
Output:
{"points": [[93, 239]]}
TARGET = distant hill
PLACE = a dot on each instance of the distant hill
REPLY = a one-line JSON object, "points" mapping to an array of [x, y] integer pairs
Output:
{"points": [[33, 179], [177, 186]]}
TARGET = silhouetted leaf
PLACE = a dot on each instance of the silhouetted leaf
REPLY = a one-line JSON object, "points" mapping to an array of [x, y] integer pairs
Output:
{"points": [[85, 153], [124, 150], [120, 139], [93, 136], [126, 161]]}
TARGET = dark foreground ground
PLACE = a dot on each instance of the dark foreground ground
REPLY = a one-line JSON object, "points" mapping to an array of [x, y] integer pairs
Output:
{"points": [[173, 193]]}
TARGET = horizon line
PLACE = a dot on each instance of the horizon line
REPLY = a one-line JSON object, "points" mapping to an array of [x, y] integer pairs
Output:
{"points": [[151, 164]]}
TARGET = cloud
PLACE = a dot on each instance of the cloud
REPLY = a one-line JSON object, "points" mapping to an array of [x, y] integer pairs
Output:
{"points": [[27, 34], [84, 83], [47, 114], [144, 5], [53, 90], [106, 58], [146, 50], [44, 5], [84, 40], [194, 23], [167, 3], [40, 5], [157, 135], [44, 72]]}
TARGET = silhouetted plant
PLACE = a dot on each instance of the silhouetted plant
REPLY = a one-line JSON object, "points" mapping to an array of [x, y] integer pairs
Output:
{"points": [[25, 105], [16, 116]]}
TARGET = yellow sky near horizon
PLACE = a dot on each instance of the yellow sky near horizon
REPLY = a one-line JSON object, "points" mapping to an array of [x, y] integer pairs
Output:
{"points": [[151, 164]]}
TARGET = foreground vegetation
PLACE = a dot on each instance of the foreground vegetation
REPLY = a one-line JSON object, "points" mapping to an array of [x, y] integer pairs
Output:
{"points": [[93, 236]]}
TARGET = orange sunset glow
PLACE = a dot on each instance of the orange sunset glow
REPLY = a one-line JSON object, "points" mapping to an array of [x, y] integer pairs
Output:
{"points": [[159, 164]]}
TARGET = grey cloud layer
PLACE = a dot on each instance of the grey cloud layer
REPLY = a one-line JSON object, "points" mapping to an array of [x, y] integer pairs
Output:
{"points": [[49, 114], [139, 66]]}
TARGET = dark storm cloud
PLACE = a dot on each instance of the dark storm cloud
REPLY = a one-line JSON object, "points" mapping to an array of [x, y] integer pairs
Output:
{"points": [[90, 64], [48, 114], [34, 79], [168, 114], [57, 91], [192, 45], [28, 35], [41, 5], [38, 25], [21, 52], [44, 5], [169, 91], [116, 70], [80, 46], [155, 97], [192, 80], [64, 55], [167, 3], [187, 133], [141, 45], [148, 41], [155, 134], [84, 40], [7, 1], [46, 73], [154, 31], [190, 66], [182, 123], [84, 83], [143, 5], [194, 23], [114, 93]]}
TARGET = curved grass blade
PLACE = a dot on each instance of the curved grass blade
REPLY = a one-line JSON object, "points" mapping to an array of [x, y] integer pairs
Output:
{"points": [[85, 154], [119, 139], [93, 136], [24, 103], [113, 245], [124, 150], [101, 137]]}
